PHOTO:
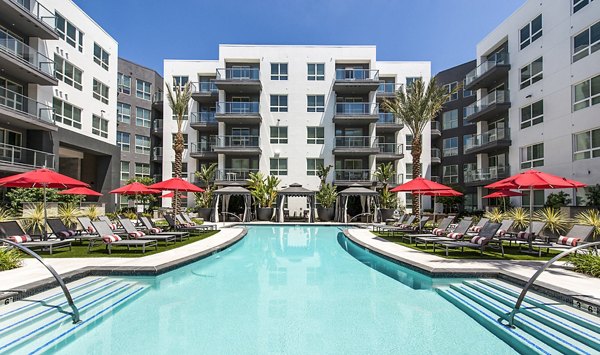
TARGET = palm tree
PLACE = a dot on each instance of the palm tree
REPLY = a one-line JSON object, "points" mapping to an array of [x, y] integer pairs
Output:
{"points": [[179, 100], [416, 107]]}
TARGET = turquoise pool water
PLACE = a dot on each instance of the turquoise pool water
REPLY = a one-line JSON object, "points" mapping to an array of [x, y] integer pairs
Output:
{"points": [[288, 290]]}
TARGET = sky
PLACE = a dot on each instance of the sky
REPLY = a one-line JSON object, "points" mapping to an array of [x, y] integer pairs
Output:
{"points": [[444, 32]]}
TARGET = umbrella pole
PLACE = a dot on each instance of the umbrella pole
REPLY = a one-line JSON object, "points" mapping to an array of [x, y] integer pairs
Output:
{"points": [[434, 203], [44, 232], [530, 218]]}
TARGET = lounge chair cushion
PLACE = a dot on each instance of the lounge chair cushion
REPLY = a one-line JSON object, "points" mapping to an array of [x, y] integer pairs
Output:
{"points": [[136, 234], [438, 231], [20, 238], [111, 238], [91, 229], [568, 241], [501, 232], [155, 230], [475, 229], [113, 226], [523, 235], [66, 234], [455, 235], [479, 240]]}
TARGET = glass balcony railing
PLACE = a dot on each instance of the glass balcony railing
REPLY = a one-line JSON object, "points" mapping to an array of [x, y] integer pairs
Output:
{"points": [[205, 117], [498, 59], [157, 153], [24, 105], [25, 157], [487, 174], [157, 97], [356, 108], [490, 136], [387, 118], [352, 175], [356, 74], [238, 74], [205, 87], [38, 11], [391, 148], [435, 127], [435, 153], [354, 142], [496, 97], [203, 147], [234, 174], [26, 54], [237, 141], [389, 88], [157, 126], [239, 108]]}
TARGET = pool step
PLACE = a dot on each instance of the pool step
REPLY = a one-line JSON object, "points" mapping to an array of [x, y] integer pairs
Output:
{"points": [[46, 319], [540, 320]]}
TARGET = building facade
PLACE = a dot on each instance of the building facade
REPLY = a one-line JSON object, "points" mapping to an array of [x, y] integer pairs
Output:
{"points": [[537, 82], [286, 110]]}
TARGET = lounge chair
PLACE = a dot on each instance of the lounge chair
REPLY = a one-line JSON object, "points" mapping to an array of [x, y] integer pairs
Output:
{"points": [[86, 224], [456, 234], [398, 226], [523, 237], [440, 230], [151, 228], [110, 239], [480, 241], [183, 225], [63, 232], [476, 228], [187, 219], [579, 234], [505, 228], [114, 226], [13, 232], [415, 229], [378, 227], [133, 233]]}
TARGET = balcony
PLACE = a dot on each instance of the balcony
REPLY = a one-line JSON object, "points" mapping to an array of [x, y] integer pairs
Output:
{"points": [[395, 180], [204, 120], [390, 151], [233, 176], [355, 145], [436, 156], [17, 159], [238, 112], [490, 107], [388, 90], [24, 62], [356, 81], [237, 145], [481, 177], [489, 141], [157, 154], [204, 150], [157, 177], [345, 177], [436, 131], [489, 72], [157, 100], [386, 122], [20, 111], [239, 80], [29, 17], [157, 127], [355, 113], [205, 91]]}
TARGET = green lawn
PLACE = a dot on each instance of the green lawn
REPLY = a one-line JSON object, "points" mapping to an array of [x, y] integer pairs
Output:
{"points": [[99, 251], [510, 252]]}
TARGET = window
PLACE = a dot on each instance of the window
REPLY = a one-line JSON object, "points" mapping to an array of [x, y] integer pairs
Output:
{"points": [[142, 117], [468, 141], [142, 89], [586, 42], [408, 172], [125, 170], [316, 71], [279, 71], [532, 114], [580, 4], [179, 81], [468, 167], [450, 87], [124, 83], [11, 138], [450, 147], [532, 156], [411, 80], [532, 73], [100, 56], [538, 198], [142, 144], [450, 119], [313, 165], [587, 93], [468, 93], [315, 135], [123, 112], [315, 103], [71, 34], [67, 72], [123, 141], [184, 170], [450, 174], [586, 144], [531, 32], [279, 166], [100, 91], [279, 103], [279, 135], [66, 113], [142, 170], [409, 139], [99, 126]]}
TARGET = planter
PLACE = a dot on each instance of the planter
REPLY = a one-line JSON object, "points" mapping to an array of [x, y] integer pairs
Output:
{"points": [[325, 214], [387, 213], [204, 213], [264, 214]]}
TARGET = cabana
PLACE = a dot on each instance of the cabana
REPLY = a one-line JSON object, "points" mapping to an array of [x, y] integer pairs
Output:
{"points": [[224, 194], [367, 197], [296, 190]]}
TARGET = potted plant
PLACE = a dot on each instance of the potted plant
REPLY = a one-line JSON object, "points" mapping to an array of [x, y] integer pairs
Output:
{"points": [[384, 174], [206, 175], [264, 191], [92, 213], [555, 221], [34, 221], [68, 213], [326, 197], [520, 217]]}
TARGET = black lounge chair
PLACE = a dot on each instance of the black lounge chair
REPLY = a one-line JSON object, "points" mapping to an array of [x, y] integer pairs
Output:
{"points": [[454, 235], [398, 226], [133, 233], [579, 234], [182, 224], [150, 227], [476, 228], [480, 241], [13, 229], [112, 225], [62, 232], [190, 222], [110, 239], [440, 230]]}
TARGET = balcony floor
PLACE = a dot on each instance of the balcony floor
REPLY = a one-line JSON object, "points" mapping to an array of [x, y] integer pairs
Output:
{"points": [[342, 119], [205, 97], [353, 87], [22, 120], [239, 86], [491, 112], [238, 150], [24, 22], [354, 151], [23, 70], [235, 118], [489, 78], [490, 147]]}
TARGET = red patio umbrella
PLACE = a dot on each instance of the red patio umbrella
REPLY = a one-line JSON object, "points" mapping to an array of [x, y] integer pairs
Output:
{"points": [[172, 194], [176, 184], [80, 191], [135, 188], [436, 193], [503, 193], [419, 185]]}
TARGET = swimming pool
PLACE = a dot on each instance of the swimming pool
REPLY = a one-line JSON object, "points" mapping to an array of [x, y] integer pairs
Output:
{"points": [[292, 290]]}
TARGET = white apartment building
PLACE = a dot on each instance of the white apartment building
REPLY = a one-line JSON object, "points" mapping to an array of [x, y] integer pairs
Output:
{"points": [[538, 88], [285, 110]]}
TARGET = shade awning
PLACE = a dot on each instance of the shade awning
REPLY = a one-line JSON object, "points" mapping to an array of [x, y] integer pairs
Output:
{"points": [[357, 190], [232, 190], [296, 190]]}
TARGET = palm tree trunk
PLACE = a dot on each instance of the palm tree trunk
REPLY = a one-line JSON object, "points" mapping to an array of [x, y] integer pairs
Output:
{"points": [[178, 147], [417, 149]]}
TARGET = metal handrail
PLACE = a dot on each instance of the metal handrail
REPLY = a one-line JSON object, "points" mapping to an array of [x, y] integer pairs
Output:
{"points": [[510, 317], [362, 214], [75, 314], [232, 214]]}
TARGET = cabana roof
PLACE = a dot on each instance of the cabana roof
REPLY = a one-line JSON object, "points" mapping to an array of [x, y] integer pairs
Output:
{"points": [[232, 190], [296, 190], [357, 190]]}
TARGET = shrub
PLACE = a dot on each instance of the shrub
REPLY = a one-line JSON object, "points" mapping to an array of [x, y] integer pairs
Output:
{"points": [[586, 263], [559, 199], [592, 195], [10, 258], [590, 218]]}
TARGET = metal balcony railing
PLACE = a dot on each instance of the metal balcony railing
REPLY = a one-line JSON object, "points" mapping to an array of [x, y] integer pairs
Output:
{"points": [[355, 141], [487, 174], [487, 137], [356, 74], [448, 152], [352, 175], [202, 117], [234, 174], [391, 148], [26, 54], [496, 97], [238, 108], [237, 141], [238, 74], [203, 147], [356, 108], [388, 88], [22, 104], [157, 126], [500, 58], [38, 11], [157, 153], [205, 87], [19, 156], [157, 97], [435, 153], [435, 126], [387, 118]]}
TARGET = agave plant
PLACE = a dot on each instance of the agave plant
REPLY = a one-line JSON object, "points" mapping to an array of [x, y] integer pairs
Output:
{"points": [[556, 221], [5, 214], [68, 213], [520, 216], [34, 221], [92, 213], [590, 218], [495, 215]]}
